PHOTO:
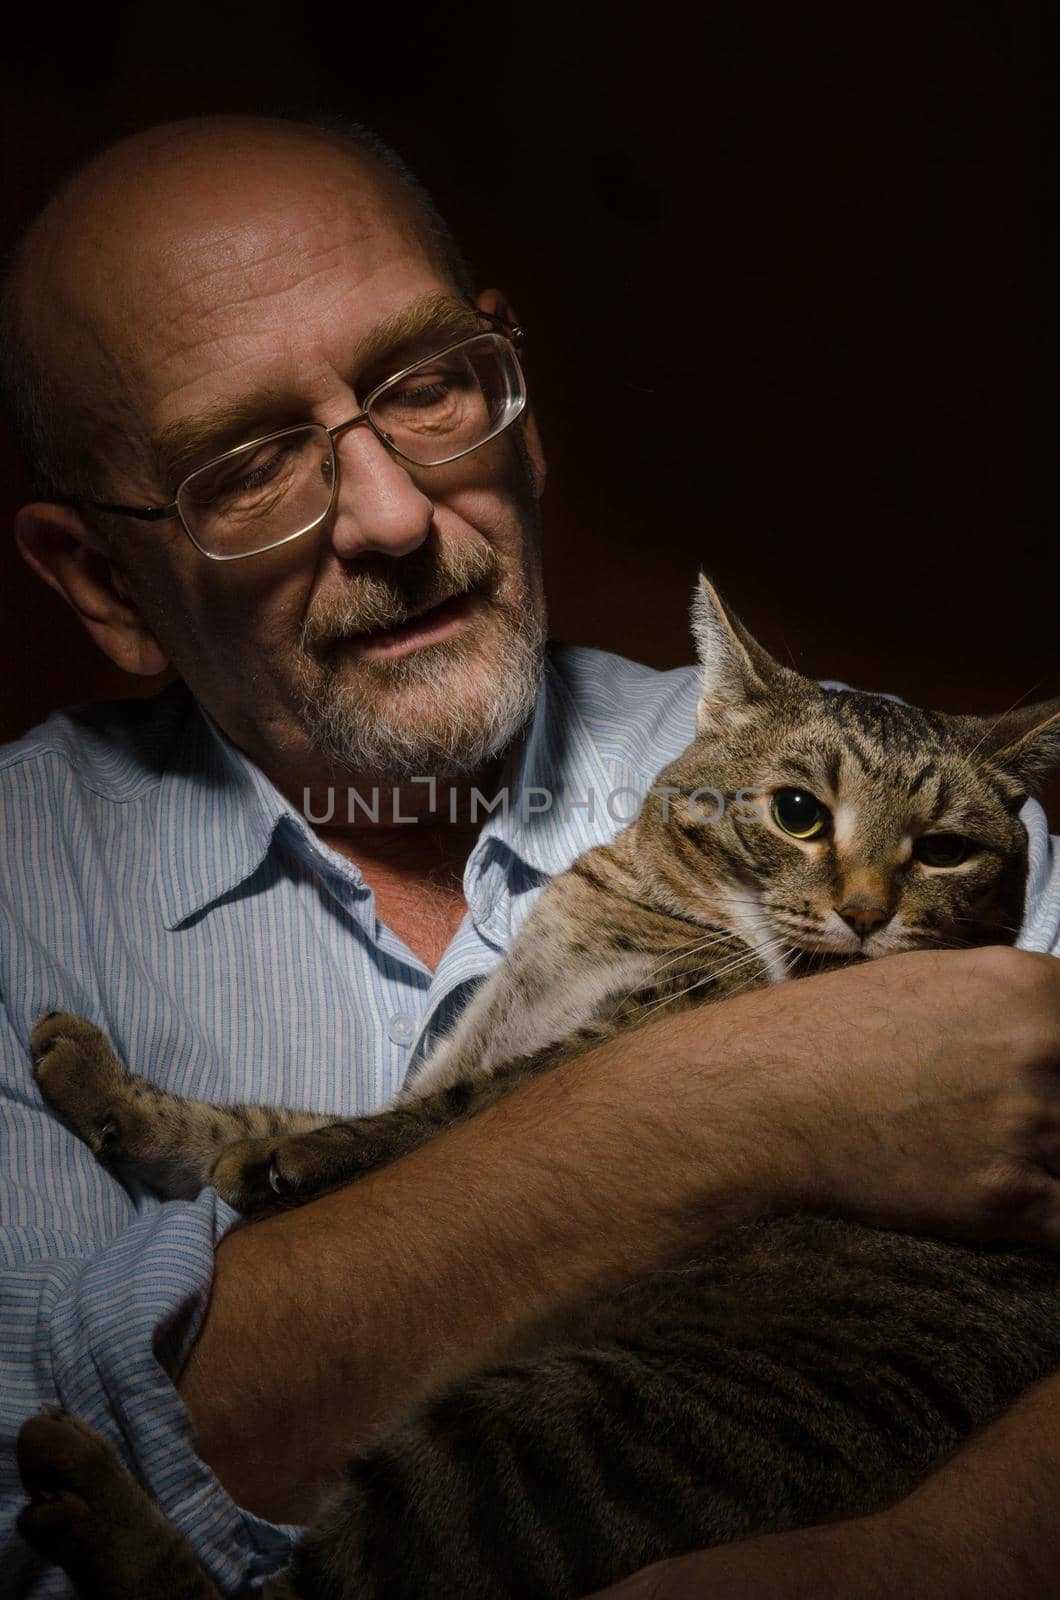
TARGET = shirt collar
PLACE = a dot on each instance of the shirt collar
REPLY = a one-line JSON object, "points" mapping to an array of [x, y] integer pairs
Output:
{"points": [[557, 787], [217, 815]]}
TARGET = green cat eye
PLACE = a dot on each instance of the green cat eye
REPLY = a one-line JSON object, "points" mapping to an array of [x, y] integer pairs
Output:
{"points": [[943, 849], [799, 813]]}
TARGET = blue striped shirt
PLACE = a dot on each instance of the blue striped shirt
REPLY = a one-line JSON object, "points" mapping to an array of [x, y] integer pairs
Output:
{"points": [[153, 880]]}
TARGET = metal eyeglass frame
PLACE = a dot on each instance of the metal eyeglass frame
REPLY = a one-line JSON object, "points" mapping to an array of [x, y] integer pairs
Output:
{"points": [[512, 332]]}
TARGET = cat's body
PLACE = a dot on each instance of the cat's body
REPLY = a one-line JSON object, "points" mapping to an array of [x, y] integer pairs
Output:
{"points": [[803, 1369]]}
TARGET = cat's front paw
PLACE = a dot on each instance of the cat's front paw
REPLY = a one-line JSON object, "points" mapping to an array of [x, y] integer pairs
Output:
{"points": [[262, 1174], [82, 1079]]}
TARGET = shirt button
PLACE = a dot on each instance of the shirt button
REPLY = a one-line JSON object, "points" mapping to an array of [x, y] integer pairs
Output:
{"points": [[402, 1028]]}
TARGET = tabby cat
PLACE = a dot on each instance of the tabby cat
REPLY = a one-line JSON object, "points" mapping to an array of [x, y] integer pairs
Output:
{"points": [[804, 1368]]}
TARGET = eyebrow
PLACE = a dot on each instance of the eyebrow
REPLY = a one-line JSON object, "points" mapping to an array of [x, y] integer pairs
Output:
{"points": [[192, 441]]}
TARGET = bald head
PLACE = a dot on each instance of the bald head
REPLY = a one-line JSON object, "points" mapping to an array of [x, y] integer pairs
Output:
{"points": [[113, 261]]}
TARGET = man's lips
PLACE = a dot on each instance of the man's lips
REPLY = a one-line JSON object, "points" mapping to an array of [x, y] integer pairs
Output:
{"points": [[428, 627]]}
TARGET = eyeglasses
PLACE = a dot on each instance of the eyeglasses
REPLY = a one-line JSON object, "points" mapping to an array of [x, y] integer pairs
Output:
{"points": [[274, 489]]}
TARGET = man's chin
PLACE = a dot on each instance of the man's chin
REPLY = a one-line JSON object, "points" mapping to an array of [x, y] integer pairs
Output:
{"points": [[442, 709]]}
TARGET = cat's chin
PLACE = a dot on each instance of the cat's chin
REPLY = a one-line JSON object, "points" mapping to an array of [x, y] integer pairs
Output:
{"points": [[886, 944], [822, 957], [807, 961]]}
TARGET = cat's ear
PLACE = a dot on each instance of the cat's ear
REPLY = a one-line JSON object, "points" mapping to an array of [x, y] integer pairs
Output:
{"points": [[1025, 743], [735, 667]]}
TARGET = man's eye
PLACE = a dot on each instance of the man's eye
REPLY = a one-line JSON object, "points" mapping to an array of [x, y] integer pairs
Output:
{"points": [[259, 476], [420, 396], [248, 476]]}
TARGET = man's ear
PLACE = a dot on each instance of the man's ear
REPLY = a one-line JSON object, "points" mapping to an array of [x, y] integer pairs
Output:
{"points": [[497, 304], [72, 559]]}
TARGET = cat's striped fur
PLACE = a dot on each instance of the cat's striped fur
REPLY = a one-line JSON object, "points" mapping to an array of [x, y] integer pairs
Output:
{"points": [[805, 1368]]}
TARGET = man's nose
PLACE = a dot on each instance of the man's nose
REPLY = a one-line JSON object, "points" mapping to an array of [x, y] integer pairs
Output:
{"points": [[378, 508]]}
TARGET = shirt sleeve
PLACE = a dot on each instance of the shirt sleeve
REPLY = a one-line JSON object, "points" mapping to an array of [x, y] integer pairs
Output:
{"points": [[1041, 915], [102, 1293]]}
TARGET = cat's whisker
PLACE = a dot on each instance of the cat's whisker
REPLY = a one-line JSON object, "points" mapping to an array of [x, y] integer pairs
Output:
{"points": [[767, 945], [1000, 718], [745, 983], [1002, 927], [685, 952], [947, 941]]}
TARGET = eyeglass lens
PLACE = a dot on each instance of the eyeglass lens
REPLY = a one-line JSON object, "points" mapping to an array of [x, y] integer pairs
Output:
{"points": [[280, 487]]}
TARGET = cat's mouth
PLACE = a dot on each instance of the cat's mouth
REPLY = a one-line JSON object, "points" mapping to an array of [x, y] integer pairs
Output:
{"points": [[831, 938]]}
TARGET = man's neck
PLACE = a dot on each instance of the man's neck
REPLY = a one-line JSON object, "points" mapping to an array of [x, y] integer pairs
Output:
{"points": [[410, 838], [361, 808], [411, 842]]}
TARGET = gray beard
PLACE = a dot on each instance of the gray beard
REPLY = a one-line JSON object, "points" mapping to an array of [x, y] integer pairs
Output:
{"points": [[470, 697], [468, 709]]}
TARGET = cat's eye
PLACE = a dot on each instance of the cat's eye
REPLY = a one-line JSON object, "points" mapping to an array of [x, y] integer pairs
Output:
{"points": [[799, 813], [943, 849]]}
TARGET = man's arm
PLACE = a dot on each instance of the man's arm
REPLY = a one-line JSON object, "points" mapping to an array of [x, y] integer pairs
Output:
{"points": [[100, 1295], [920, 1091], [986, 1526]]}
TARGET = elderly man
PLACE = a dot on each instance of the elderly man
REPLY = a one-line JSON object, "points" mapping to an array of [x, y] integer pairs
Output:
{"points": [[355, 607]]}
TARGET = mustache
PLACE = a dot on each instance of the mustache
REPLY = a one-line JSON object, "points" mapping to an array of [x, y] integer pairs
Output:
{"points": [[383, 593]]}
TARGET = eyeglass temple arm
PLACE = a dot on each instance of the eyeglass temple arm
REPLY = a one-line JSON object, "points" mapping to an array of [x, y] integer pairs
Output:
{"points": [[514, 330], [142, 513]]}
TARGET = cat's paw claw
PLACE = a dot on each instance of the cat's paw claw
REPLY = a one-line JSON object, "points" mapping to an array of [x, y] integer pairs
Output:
{"points": [[109, 1136], [262, 1174], [246, 1176], [279, 1185]]}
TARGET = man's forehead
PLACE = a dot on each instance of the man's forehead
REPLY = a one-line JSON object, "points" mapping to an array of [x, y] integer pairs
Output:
{"points": [[204, 262], [165, 263]]}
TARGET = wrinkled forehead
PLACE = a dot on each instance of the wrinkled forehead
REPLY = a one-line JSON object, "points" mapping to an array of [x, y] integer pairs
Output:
{"points": [[158, 263]]}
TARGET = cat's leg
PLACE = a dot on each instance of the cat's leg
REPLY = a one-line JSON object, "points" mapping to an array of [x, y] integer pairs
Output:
{"points": [[552, 996], [257, 1174], [467, 1071], [524, 1020], [88, 1516], [131, 1126]]}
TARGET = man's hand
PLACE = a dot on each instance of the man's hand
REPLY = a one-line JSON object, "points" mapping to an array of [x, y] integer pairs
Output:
{"points": [[927, 1089]]}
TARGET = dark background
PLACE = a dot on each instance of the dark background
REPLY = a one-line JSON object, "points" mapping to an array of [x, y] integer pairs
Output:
{"points": [[789, 275]]}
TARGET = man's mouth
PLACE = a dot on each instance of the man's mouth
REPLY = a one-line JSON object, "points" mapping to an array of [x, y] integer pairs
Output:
{"points": [[432, 626]]}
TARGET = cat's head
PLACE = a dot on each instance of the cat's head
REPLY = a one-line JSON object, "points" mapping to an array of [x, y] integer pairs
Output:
{"points": [[839, 822]]}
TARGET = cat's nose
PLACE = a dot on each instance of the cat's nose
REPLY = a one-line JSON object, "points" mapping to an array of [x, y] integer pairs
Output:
{"points": [[863, 915]]}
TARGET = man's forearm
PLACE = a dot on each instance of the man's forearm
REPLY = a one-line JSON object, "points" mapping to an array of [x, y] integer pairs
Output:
{"points": [[986, 1526], [325, 1320]]}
